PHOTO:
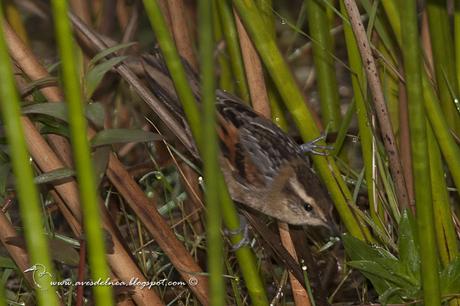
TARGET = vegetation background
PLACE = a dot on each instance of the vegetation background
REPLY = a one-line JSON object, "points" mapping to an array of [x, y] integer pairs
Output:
{"points": [[96, 182]]}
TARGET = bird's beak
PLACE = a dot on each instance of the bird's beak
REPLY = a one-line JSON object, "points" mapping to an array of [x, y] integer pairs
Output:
{"points": [[331, 227], [324, 223]]}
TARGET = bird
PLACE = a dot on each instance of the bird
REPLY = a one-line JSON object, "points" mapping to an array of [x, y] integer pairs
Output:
{"points": [[263, 167]]}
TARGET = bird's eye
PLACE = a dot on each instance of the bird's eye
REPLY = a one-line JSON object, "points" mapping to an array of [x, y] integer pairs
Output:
{"points": [[307, 207]]}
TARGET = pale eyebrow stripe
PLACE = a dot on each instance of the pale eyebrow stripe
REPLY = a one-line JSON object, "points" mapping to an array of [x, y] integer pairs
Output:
{"points": [[300, 190]]}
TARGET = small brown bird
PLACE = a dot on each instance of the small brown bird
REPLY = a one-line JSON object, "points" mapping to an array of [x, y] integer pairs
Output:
{"points": [[263, 167]]}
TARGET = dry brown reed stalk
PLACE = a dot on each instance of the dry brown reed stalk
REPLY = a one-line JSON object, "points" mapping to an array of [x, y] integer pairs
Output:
{"points": [[379, 102], [254, 72], [180, 29], [18, 254]]}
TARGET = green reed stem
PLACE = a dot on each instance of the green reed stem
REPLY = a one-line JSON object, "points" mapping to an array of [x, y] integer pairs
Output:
{"points": [[175, 67], [277, 114], [443, 60], [447, 143], [233, 46], [419, 146], [29, 204], [445, 230], [2, 293], [365, 131], [210, 151], [82, 155], [320, 32], [226, 77], [457, 40], [245, 256]]}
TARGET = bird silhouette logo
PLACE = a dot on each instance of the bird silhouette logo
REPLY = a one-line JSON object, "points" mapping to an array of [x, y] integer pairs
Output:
{"points": [[38, 273]]}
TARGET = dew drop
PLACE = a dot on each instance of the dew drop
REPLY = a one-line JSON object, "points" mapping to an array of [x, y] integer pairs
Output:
{"points": [[296, 52], [158, 175], [457, 102]]}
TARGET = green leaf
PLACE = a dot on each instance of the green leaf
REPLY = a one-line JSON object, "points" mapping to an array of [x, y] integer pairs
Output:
{"points": [[53, 109], [392, 295], [94, 111], [37, 84], [450, 278], [111, 136], [100, 162], [381, 267], [380, 27], [359, 250], [397, 268], [376, 269], [49, 129], [408, 246], [55, 175], [108, 51], [95, 75]]}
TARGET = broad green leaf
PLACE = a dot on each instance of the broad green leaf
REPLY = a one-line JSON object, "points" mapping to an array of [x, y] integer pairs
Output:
{"points": [[408, 246], [112, 136], [359, 250], [392, 296], [108, 51], [384, 253], [380, 284], [95, 75], [450, 278], [55, 175], [378, 270], [382, 268], [397, 268]]}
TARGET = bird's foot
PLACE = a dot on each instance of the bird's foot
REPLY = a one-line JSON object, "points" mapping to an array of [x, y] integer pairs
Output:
{"points": [[242, 230], [313, 148]]}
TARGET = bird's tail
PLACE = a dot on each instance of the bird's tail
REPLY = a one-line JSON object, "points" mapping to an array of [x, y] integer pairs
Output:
{"points": [[159, 81]]}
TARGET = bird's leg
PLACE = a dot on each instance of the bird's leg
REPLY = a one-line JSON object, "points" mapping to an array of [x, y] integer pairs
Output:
{"points": [[244, 230], [312, 147]]}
